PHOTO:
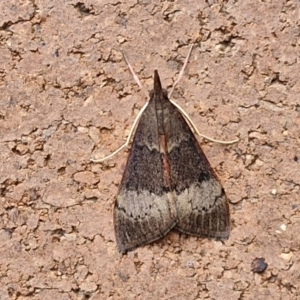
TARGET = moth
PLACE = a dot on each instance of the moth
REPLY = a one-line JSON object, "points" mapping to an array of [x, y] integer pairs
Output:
{"points": [[168, 182]]}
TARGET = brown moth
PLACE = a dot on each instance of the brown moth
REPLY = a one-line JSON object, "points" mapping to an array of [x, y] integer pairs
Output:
{"points": [[168, 182]]}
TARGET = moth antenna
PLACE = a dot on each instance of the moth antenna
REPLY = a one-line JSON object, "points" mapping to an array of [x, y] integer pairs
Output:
{"points": [[137, 80], [135, 77], [186, 116], [182, 71], [128, 138]]}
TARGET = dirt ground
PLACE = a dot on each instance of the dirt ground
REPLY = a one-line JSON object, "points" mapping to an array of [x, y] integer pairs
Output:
{"points": [[67, 96]]}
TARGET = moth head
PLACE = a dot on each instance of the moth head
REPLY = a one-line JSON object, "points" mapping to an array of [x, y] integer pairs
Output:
{"points": [[163, 91]]}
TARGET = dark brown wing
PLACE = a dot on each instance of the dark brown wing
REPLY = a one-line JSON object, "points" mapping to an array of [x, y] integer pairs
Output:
{"points": [[145, 207], [201, 202]]}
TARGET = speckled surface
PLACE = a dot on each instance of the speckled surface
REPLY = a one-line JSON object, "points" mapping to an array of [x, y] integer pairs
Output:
{"points": [[67, 96]]}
